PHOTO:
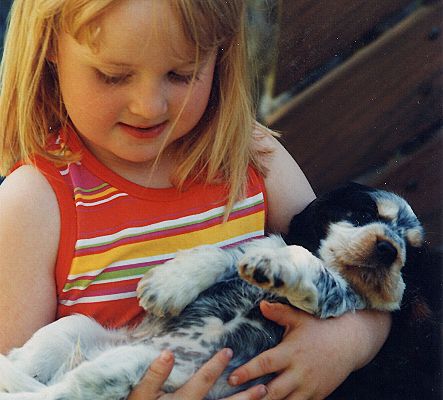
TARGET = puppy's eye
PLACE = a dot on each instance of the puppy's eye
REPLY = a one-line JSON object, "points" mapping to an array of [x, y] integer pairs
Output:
{"points": [[360, 217], [367, 216], [387, 220]]}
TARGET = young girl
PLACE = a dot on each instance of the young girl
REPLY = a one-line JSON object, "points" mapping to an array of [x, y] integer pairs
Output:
{"points": [[128, 133]]}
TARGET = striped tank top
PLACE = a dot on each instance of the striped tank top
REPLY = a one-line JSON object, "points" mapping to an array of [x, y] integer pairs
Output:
{"points": [[113, 231]]}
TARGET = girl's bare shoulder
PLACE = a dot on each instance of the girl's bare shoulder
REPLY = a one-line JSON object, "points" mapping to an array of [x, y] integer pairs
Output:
{"points": [[288, 190], [27, 195]]}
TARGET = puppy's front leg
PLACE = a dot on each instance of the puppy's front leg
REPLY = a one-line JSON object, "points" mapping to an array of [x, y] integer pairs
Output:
{"points": [[168, 289], [296, 274]]}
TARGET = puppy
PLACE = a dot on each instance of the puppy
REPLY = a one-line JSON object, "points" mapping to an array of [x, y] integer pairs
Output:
{"points": [[344, 252]]}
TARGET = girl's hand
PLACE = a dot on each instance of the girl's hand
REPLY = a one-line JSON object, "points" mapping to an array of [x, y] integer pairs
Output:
{"points": [[196, 388], [315, 356]]}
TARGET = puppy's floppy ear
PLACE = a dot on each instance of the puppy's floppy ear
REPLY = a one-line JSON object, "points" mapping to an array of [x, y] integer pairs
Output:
{"points": [[415, 308], [303, 228], [309, 227]]}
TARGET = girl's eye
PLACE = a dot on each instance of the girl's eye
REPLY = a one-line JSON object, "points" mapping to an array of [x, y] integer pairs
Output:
{"points": [[112, 79], [181, 78]]}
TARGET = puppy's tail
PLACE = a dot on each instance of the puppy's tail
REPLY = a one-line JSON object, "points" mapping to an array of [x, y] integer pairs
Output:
{"points": [[12, 380]]}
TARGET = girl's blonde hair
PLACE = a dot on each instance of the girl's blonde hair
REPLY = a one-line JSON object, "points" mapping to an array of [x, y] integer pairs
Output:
{"points": [[218, 149]]}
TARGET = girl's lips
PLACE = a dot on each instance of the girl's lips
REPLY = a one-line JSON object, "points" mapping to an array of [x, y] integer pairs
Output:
{"points": [[143, 133]]}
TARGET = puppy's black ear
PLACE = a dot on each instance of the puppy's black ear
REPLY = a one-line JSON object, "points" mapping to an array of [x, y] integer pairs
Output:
{"points": [[309, 227], [303, 228], [418, 280]]}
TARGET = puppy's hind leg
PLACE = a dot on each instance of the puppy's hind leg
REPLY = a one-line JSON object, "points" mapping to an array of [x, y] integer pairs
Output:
{"points": [[59, 347], [111, 375], [24, 396], [13, 380]]}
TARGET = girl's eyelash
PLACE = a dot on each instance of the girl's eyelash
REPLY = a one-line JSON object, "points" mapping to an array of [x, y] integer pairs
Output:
{"points": [[123, 78], [112, 79], [182, 78]]}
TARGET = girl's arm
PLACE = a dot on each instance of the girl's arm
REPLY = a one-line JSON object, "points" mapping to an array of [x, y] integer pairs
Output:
{"points": [[29, 234], [315, 356]]}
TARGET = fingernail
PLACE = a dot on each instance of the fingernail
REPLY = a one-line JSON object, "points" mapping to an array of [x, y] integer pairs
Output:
{"points": [[233, 380], [166, 356], [262, 391], [228, 353]]}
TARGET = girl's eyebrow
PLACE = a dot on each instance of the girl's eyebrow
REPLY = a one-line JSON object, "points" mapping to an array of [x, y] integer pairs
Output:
{"points": [[92, 59], [103, 61], [184, 62], [117, 64], [181, 64], [111, 63]]}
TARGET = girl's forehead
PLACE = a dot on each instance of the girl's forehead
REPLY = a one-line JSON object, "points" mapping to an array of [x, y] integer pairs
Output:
{"points": [[134, 28]]}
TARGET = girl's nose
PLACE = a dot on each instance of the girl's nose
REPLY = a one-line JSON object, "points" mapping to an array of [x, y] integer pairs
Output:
{"points": [[149, 101]]}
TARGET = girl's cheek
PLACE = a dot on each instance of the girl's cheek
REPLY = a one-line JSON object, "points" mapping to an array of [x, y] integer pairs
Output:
{"points": [[199, 96], [108, 101]]}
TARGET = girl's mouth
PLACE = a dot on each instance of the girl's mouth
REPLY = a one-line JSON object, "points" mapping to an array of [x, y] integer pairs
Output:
{"points": [[150, 132]]}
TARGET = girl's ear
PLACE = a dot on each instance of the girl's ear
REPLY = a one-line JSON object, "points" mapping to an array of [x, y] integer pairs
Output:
{"points": [[51, 55], [51, 65], [50, 59]]}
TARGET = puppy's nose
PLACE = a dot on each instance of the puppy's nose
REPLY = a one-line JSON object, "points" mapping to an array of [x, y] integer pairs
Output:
{"points": [[386, 252]]}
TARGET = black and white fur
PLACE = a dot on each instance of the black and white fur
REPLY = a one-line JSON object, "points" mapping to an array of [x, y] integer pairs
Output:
{"points": [[344, 252]]}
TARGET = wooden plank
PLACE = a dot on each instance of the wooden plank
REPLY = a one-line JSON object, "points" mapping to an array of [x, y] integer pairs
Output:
{"points": [[360, 113], [418, 177], [314, 31]]}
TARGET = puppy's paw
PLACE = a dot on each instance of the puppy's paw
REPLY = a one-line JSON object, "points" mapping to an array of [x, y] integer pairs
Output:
{"points": [[290, 272], [166, 290], [160, 294], [266, 268]]}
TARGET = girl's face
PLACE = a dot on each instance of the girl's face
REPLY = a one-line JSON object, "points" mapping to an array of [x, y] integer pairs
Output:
{"points": [[124, 97]]}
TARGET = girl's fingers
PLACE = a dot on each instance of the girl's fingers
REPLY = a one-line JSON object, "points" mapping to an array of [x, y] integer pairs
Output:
{"points": [[276, 359], [197, 387], [282, 314], [270, 361], [282, 387], [150, 386], [201, 382], [254, 393]]}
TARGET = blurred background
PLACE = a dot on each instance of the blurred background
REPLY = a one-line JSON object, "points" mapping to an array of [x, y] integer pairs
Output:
{"points": [[355, 88]]}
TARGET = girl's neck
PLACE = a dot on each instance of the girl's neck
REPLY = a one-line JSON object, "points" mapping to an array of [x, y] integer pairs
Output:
{"points": [[150, 174], [154, 176]]}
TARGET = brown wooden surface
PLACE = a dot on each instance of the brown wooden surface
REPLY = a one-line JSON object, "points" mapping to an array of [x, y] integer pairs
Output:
{"points": [[418, 178], [313, 31], [357, 116]]}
